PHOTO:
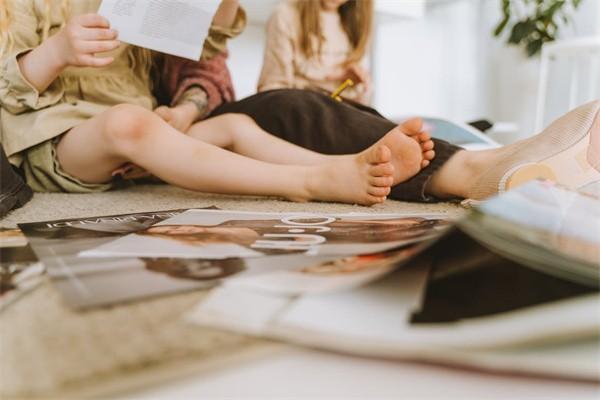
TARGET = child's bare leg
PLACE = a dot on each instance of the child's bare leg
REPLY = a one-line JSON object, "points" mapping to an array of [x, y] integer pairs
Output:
{"points": [[240, 134], [411, 147], [126, 133]]}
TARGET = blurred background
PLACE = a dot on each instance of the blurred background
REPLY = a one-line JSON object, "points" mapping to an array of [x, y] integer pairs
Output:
{"points": [[440, 58]]}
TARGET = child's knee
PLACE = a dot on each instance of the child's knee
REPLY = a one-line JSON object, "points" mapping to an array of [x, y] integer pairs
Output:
{"points": [[127, 124]]}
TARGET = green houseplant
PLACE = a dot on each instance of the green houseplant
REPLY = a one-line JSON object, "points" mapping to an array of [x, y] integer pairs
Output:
{"points": [[532, 23]]}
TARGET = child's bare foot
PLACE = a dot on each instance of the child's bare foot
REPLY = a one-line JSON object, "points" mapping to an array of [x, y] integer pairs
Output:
{"points": [[414, 128], [365, 178], [411, 149]]}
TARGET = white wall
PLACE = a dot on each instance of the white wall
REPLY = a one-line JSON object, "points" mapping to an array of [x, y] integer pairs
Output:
{"points": [[446, 63], [429, 66]]}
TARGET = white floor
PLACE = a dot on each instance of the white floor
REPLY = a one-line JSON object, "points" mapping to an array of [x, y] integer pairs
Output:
{"points": [[287, 372]]}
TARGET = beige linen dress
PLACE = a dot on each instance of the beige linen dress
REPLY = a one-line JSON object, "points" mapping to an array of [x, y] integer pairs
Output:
{"points": [[31, 123]]}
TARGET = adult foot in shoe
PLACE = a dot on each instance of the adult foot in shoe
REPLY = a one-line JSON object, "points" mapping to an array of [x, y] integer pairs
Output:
{"points": [[563, 153]]}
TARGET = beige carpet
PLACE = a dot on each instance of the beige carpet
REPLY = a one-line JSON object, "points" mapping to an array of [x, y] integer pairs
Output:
{"points": [[48, 351]]}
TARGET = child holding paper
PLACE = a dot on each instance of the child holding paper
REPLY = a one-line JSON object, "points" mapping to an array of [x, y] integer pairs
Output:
{"points": [[71, 117], [318, 44]]}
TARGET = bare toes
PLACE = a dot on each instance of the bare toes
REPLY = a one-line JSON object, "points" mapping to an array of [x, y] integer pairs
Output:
{"points": [[412, 126], [424, 136], [383, 155], [424, 163], [378, 154], [429, 155], [385, 169], [376, 199], [379, 191], [381, 181], [428, 145]]}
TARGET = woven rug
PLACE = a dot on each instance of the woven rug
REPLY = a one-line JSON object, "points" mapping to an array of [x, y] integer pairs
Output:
{"points": [[47, 350]]}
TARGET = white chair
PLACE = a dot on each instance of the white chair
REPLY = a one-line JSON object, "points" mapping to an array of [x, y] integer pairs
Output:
{"points": [[581, 52]]}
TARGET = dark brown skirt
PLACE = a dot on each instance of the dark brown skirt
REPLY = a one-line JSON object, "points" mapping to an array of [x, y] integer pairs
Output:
{"points": [[317, 122]]}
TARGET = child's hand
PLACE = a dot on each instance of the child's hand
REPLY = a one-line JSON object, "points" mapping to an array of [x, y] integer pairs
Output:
{"points": [[180, 117], [356, 72], [84, 36]]}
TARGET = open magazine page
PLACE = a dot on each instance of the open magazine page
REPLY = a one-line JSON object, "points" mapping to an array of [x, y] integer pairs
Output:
{"points": [[177, 27], [375, 320], [91, 282], [20, 270], [544, 226], [216, 234]]}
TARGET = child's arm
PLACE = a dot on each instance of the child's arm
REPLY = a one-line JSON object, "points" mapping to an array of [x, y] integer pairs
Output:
{"points": [[228, 22], [74, 45], [278, 64], [28, 69], [226, 13]]}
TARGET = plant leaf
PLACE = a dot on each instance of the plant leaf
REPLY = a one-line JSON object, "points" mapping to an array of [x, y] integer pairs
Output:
{"points": [[534, 47]]}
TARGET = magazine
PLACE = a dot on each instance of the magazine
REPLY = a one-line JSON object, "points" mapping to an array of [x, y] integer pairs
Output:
{"points": [[216, 234], [20, 270], [460, 134], [545, 226], [461, 299], [177, 27], [89, 282], [296, 275]]}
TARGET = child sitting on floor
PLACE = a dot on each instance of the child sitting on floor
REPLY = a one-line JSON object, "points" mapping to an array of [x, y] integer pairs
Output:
{"points": [[318, 44], [70, 118]]}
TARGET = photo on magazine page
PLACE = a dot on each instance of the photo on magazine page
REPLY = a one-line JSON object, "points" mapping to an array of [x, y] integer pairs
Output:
{"points": [[87, 282], [216, 234], [296, 274], [20, 269]]}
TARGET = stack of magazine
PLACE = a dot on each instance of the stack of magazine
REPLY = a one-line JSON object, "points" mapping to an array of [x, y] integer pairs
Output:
{"points": [[512, 286]]}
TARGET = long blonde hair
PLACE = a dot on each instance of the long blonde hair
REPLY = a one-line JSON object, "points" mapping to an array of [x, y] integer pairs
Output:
{"points": [[357, 22], [6, 37], [138, 57]]}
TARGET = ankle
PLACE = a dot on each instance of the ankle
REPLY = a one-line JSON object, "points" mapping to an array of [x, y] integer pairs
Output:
{"points": [[310, 184], [455, 177]]}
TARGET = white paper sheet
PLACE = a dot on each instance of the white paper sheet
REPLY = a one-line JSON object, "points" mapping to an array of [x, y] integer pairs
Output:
{"points": [[177, 27]]}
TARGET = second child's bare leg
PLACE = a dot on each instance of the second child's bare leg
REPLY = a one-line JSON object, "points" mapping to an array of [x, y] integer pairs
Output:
{"points": [[127, 133], [411, 147]]}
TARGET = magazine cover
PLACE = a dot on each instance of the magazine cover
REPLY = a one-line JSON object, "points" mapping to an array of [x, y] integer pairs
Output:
{"points": [[87, 282], [216, 234], [20, 270]]}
